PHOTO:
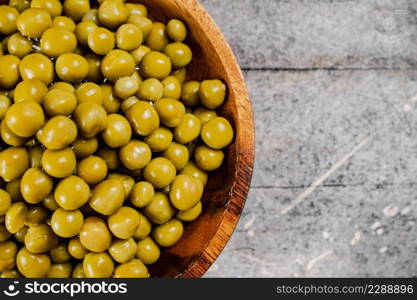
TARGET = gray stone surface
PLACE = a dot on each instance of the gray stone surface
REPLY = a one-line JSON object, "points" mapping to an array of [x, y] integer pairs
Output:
{"points": [[334, 190], [307, 121], [361, 220], [319, 33]]}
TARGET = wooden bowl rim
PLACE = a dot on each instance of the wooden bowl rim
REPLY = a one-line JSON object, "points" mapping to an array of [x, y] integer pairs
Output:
{"points": [[246, 137]]}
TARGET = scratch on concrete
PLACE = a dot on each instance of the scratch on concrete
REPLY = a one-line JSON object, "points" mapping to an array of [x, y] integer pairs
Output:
{"points": [[310, 265], [390, 211], [383, 250], [380, 231], [326, 235], [356, 238], [249, 223], [376, 225], [406, 210], [322, 178], [409, 106]]}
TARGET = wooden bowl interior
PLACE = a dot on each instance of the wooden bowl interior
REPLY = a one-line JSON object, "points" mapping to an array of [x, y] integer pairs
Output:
{"points": [[227, 187]]}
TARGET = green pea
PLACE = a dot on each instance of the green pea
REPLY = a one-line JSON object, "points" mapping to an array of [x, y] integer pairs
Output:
{"points": [[185, 192], [212, 93], [217, 133], [189, 93], [15, 217], [133, 269], [179, 53], [204, 114], [124, 223], [170, 111], [138, 9], [123, 250], [208, 159], [168, 234], [142, 194], [176, 30], [128, 103], [178, 154], [157, 39], [139, 53], [192, 170], [151, 89], [159, 210], [156, 65], [191, 214], [180, 75], [144, 24], [135, 155], [148, 251], [5, 202], [159, 140], [40, 238], [172, 88], [143, 118], [160, 172], [188, 130], [98, 265], [144, 228]]}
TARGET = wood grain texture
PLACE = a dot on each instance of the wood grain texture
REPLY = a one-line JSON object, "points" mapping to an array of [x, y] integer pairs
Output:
{"points": [[227, 188]]}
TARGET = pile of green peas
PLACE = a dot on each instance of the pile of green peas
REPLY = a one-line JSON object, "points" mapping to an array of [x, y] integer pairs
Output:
{"points": [[105, 147]]}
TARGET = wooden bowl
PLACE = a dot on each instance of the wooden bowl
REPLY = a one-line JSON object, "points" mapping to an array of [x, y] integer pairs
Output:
{"points": [[227, 188]]}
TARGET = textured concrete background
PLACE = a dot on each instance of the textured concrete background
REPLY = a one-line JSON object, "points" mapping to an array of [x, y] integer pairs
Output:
{"points": [[334, 91]]}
